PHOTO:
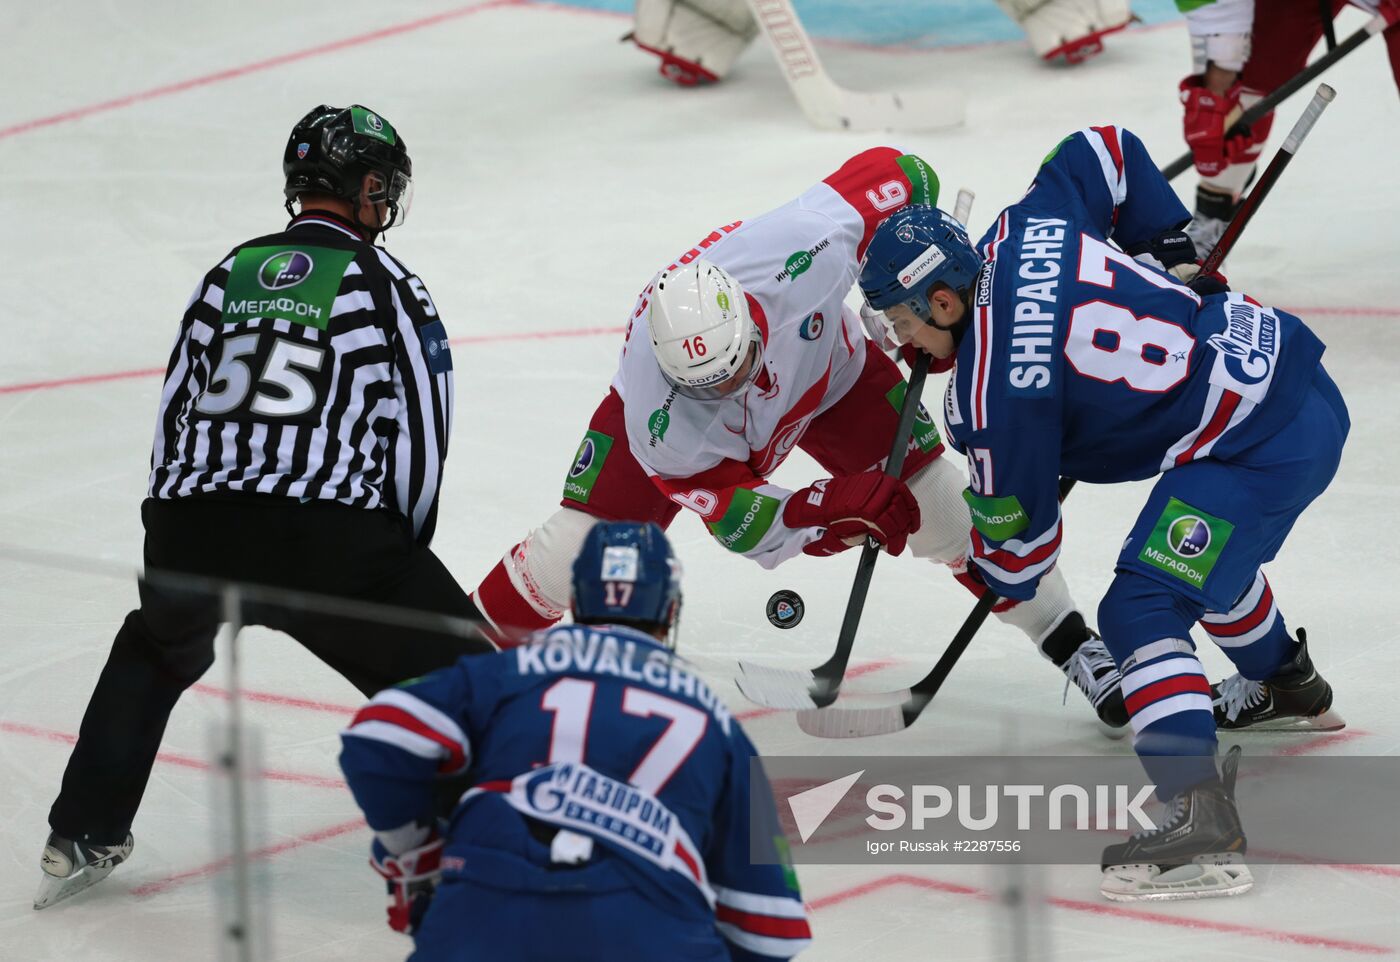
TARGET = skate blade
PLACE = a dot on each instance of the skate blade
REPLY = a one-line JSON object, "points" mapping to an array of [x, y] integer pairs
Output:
{"points": [[1207, 877], [1328, 721], [54, 889]]}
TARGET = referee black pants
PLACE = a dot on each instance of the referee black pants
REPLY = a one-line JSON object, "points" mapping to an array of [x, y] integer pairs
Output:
{"points": [[168, 643]]}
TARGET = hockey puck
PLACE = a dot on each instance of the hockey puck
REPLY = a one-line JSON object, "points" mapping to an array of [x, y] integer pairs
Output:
{"points": [[785, 609]]}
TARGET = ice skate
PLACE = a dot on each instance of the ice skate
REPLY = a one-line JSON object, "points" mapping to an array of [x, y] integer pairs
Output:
{"points": [[1295, 698], [1092, 669], [69, 867], [1196, 852]]}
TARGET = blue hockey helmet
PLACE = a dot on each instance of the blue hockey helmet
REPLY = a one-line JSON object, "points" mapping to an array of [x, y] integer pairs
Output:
{"points": [[626, 573], [910, 252]]}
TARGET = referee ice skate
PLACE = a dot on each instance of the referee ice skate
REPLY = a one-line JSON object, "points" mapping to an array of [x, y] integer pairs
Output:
{"points": [[300, 442]]}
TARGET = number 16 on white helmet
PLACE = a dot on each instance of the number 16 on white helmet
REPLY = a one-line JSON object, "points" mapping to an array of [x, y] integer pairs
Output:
{"points": [[704, 339]]}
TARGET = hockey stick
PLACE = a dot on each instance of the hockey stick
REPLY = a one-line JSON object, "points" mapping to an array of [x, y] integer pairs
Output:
{"points": [[882, 720], [1321, 98], [1309, 73], [834, 107], [962, 208], [795, 689]]}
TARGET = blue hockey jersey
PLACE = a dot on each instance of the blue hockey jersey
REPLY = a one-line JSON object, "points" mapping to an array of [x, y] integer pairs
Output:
{"points": [[599, 732], [1083, 362]]}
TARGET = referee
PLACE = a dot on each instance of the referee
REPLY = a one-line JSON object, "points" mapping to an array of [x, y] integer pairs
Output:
{"points": [[300, 443]]}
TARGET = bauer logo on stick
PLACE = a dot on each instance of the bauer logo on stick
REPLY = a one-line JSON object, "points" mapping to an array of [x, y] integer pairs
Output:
{"points": [[785, 609]]}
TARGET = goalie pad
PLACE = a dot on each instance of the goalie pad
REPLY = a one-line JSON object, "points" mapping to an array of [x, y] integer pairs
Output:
{"points": [[697, 40], [1072, 29]]}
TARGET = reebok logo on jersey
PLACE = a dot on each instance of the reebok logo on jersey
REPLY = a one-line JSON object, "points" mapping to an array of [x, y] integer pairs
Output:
{"points": [[798, 263]]}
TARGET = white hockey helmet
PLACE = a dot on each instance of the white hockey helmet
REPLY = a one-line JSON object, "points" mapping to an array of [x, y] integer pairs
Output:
{"points": [[702, 333]]}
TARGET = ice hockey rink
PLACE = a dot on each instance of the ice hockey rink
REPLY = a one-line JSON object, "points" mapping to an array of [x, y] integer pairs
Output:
{"points": [[555, 171]]}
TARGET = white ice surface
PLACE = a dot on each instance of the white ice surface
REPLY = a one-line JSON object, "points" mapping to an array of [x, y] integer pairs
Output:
{"points": [[555, 172]]}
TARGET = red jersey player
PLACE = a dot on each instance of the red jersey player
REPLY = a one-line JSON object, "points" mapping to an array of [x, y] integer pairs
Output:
{"points": [[1242, 53], [736, 354]]}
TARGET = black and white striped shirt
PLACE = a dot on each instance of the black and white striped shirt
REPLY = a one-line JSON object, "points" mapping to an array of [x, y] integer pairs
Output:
{"points": [[310, 364]]}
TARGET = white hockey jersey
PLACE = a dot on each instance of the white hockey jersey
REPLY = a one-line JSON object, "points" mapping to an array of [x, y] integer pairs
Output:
{"points": [[796, 264]]}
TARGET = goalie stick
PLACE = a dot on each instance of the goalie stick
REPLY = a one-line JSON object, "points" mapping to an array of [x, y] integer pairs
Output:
{"points": [[884, 719], [1311, 72], [792, 688], [834, 107]]}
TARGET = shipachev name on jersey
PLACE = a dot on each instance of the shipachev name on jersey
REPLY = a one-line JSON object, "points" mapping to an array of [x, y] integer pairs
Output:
{"points": [[571, 649], [1084, 362], [309, 364], [1037, 299]]}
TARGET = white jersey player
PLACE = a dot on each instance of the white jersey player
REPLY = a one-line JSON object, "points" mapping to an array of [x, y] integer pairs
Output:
{"points": [[699, 40], [739, 352]]}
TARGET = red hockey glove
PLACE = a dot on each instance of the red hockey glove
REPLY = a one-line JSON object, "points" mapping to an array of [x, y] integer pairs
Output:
{"points": [[1390, 9], [851, 507], [411, 878], [1207, 119]]}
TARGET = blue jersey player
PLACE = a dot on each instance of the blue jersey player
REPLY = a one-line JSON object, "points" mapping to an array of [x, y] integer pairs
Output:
{"points": [[1075, 359], [610, 813]]}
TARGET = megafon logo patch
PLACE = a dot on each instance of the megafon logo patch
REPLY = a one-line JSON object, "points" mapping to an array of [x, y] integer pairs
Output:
{"points": [[584, 461], [284, 270], [1189, 536], [812, 807]]}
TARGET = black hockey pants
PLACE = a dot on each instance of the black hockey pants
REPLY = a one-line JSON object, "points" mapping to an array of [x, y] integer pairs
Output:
{"points": [[168, 643]]}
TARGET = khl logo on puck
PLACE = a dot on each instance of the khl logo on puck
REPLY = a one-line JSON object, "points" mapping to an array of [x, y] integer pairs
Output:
{"points": [[785, 609]]}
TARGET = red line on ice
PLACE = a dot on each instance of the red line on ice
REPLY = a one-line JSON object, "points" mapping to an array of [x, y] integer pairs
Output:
{"points": [[266, 852], [854, 672], [232, 73], [291, 701], [174, 758], [1103, 908], [272, 698], [82, 379]]}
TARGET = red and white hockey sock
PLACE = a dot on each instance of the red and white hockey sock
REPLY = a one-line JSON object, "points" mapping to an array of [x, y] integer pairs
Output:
{"points": [[529, 588], [1252, 633]]}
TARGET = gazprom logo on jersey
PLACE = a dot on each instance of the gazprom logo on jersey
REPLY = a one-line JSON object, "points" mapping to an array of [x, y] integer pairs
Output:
{"points": [[799, 262], [284, 270], [1245, 350], [580, 797], [811, 328]]}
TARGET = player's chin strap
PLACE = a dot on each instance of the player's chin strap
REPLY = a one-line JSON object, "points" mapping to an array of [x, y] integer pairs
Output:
{"points": [[959, 327]]}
